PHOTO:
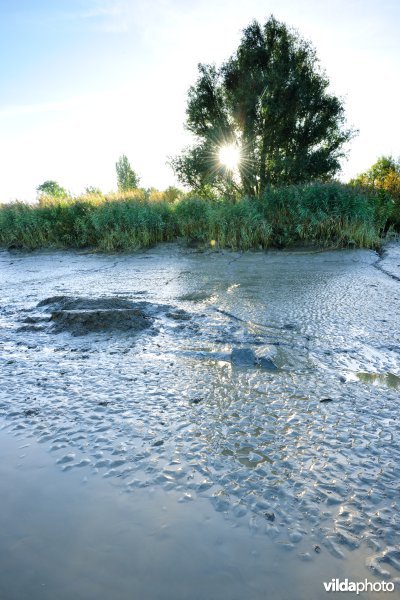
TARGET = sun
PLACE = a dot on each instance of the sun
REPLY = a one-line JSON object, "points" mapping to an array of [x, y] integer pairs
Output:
{"points": [[229, 156]]}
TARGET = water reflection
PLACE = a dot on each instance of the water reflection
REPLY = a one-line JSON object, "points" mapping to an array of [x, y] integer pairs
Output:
{"points": [[387, 379]]}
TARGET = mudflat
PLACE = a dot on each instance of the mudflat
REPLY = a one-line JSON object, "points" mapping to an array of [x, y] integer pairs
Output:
{"points": [[234, 412]]}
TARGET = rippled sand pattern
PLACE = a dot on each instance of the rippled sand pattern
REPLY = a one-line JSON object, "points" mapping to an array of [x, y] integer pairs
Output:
{"points": [[308, 455]]}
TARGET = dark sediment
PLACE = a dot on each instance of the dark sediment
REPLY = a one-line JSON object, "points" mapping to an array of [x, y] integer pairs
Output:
{"points": [[81, 322], [82, 316], [69, 303], [246, 357], [243, 357]]}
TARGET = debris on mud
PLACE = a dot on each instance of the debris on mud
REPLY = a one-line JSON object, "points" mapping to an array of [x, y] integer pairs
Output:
{"points": [[31, 412], [270, 516], [196, 400], [178, 315]]}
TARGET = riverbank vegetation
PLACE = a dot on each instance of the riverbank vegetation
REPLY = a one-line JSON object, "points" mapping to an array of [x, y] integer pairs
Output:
{"points": [[319, 214], [268, 141], [384, 179]]}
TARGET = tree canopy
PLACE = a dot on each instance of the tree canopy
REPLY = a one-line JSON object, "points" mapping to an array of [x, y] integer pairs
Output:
{"points": [[51, 188], [384, 177], [384, 174], [270, 104], [126, 176]]}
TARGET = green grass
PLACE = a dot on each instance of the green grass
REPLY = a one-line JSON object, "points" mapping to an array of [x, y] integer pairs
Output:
{"points": [[323, 215]]}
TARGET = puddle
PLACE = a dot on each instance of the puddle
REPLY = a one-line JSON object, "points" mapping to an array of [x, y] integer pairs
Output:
{"points": [[386, 379]]}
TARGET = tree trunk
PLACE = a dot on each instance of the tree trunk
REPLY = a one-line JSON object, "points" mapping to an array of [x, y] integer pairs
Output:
{"points": [[263, 170]]}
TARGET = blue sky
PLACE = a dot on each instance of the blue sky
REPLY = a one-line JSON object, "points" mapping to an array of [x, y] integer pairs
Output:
{"points": [[83, 81]]}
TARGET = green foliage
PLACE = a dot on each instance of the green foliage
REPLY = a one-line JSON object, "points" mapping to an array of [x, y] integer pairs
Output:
{"points": [[51, 189], [126, 176], [380, 175], [127, 225], [91, 190], [172, 193], [331, 215], [271, 99], [384, 178]]}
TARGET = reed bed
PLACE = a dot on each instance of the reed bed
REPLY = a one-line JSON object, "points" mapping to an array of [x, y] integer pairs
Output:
{"points": [[320, 214]]}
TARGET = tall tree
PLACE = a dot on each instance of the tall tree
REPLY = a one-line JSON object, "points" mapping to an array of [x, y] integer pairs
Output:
{"points": [[270, 102], [126, 177]]}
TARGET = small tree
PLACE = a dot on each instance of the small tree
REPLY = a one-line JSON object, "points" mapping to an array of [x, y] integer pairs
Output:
{"points": [[126, 176], [51, 189], [384, 176], [93, 191]]}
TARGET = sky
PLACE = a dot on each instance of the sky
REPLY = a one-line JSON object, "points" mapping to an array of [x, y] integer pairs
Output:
{"points": [[84, 81]]}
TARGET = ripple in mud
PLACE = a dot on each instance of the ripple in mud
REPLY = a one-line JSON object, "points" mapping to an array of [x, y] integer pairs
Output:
{"points": [[306, 455]]}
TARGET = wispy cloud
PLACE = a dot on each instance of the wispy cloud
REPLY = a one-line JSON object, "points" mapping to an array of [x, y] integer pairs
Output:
{"points": [[114, 10], [94, 13], [29, 109], [107, 16], [58, 106]]}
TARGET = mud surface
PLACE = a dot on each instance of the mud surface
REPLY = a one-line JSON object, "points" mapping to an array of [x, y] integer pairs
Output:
{"points": [[81, 316], [261, 389]]}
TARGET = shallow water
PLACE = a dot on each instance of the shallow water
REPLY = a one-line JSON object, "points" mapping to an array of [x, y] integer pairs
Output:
{"points": [[265, 481]]}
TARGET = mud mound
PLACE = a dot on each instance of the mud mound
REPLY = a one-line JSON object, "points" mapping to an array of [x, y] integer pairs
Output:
{"points": [[81, 316], [69, 303], [82, 322]]}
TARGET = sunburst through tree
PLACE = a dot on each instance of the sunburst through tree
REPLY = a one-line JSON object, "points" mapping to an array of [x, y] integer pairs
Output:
{"points": [[265, 116]]}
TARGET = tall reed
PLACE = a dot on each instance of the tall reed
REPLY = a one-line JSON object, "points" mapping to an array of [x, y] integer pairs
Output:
{"points": [[321, 214]]}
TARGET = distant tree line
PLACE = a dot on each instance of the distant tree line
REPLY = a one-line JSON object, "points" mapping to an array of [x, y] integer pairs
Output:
{"points": [[127, 181]]}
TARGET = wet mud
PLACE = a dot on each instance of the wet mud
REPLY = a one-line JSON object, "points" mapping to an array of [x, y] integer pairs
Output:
{"points": [[82, 316], [264, 384]]}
